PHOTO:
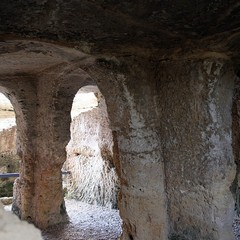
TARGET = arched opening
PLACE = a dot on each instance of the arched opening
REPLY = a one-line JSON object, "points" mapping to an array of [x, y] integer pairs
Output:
{"points": [[91, 183], [9, 161], [90, 151], [41, 93], [42, 87]]}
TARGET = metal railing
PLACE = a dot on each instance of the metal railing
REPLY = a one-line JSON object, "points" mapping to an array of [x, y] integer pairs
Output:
{"points": [[15, 175]]}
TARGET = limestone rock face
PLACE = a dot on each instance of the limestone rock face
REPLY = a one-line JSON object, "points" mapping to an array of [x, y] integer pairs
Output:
{"points": [[127, 27], [199, 161], [12, 228], [171, 134], [8, 141], [167, 71]]}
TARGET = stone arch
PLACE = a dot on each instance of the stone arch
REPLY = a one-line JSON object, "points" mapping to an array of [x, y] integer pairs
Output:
{"points": [[51, 75], [91, 152], [13, 87], [34, 95]]}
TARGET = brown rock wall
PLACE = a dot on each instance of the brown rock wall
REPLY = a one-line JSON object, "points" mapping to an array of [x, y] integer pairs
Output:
{"points": [[142, 199], [172, 125], [139, 27], [8, 140], [196, 133]]}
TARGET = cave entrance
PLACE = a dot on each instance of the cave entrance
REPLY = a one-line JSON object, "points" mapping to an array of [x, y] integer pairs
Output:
{"points": [[91, 185], [9, 161]]}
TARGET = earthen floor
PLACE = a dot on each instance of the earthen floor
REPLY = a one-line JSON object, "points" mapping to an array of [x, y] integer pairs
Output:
{"points": [[86, 222], [90, 222], [236, 228]]}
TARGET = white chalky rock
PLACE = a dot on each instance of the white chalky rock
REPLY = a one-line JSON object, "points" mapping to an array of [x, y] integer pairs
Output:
{"points": [[12, 228]]}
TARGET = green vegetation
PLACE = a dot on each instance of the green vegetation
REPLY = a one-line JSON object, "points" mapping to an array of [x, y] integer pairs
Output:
{"points": [[9, 163], [6, 187]]}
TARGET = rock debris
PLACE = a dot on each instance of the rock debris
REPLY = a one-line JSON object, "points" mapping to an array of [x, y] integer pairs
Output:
{"points": [[86, 222]]}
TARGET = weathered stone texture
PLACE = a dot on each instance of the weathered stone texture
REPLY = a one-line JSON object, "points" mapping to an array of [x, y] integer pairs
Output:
{"points": [[141, 172], [41, 118], [196, 135], [236, 140], [172, 136], [8, 141], [127, 26], [165, 69]]}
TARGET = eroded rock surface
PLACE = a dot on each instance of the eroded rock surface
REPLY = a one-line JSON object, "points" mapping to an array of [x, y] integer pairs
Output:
{"points": [[124, 27], [166, 70]]}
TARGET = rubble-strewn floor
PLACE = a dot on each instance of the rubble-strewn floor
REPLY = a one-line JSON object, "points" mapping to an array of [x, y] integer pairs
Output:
{"points": [[236, 228], [87, 222]]}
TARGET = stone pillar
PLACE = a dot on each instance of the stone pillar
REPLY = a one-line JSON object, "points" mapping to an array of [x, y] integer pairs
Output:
{"points": [[142, 199], [195, 103], [142, 203], [43, 121]]}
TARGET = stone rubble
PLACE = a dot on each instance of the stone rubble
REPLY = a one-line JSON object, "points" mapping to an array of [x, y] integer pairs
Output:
{"points": [[86, 222], [6, 200]]}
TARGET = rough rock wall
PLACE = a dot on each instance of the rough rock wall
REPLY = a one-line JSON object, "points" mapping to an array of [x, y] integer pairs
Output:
{"points": [[176, 140], [195, 119], [8, 140], [171, 122], [236, 141], [90, 156], [132, 113], [42, 97], [149, 27], [41, 80]]}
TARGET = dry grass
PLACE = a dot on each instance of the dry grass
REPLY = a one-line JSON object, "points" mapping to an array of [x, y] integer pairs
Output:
{"points": [[9, 163], [92, 180]]}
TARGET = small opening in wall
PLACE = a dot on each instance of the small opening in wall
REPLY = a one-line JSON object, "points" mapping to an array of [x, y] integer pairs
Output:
{"points": [[130, 237]]}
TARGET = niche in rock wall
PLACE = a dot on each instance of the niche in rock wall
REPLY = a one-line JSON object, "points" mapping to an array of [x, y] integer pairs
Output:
{"points": [[90, 152]]}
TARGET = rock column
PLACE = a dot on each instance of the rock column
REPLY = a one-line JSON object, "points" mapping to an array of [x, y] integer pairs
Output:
{"points": [[195, 103], [43, 120]]}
